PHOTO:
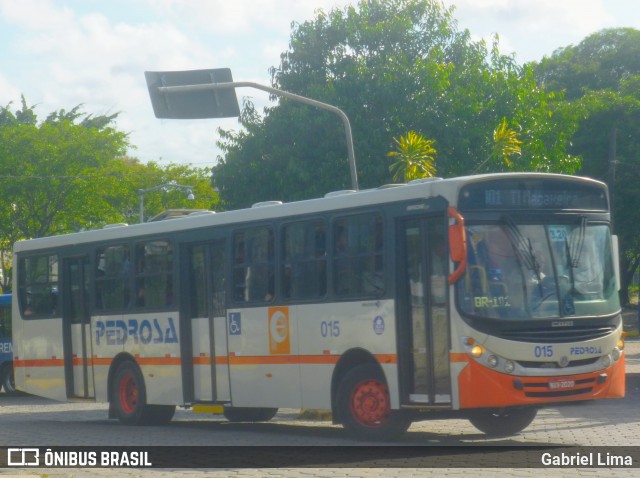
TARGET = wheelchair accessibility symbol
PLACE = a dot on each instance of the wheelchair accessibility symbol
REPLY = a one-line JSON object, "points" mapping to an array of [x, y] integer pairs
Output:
{"points": [[235, 324]]}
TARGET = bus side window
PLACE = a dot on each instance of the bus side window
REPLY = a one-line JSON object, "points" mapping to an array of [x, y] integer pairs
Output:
{"points": [[154, 274], [112, 277], [358, 267], [304, 265], [254, 272], [38, 286]]}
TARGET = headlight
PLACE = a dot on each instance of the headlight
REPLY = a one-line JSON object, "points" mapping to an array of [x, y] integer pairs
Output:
{"points": [[477, 351], [606, 360], [615, 354], [492, 361], [509, 366]]}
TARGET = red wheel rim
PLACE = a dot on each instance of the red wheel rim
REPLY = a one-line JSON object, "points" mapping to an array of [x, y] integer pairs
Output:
{"points": [[128, 393], [370, 403]]}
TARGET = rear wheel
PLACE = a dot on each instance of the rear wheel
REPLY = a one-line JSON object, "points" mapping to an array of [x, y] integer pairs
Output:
{"points": [[503, 422], [365, 408], [129, 399], [250, 414], [129, 394], [7, 379]]}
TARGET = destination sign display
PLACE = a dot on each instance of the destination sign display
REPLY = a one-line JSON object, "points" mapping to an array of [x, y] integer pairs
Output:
{"points": [[548, 194]]}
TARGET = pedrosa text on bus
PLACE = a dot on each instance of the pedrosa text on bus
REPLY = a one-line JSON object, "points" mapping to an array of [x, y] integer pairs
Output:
{"points": [[118, 332]]}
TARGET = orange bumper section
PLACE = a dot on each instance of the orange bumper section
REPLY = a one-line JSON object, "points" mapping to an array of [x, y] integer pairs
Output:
{"points": [[480, 387]]}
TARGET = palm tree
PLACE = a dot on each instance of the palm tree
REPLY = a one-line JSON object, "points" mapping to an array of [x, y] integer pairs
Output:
{"points": [[415, 157], [505, 146]]}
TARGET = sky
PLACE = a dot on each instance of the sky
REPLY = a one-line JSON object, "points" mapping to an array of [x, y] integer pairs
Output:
{"points": [[64, 53]]}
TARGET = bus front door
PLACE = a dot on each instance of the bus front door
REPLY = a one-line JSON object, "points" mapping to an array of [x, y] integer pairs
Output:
{"points": [[205, 367], [76, 320], [422, 312]]}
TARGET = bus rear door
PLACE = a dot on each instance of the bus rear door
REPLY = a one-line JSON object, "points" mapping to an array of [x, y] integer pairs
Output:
{"points": [[205, 369], [76, 323]]}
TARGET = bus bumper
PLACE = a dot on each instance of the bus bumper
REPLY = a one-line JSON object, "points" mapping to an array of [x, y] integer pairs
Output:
{"points": [[480, 387]]}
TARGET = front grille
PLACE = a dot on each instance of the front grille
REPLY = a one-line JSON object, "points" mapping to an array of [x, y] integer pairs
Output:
{"points": [[541, 389], [557, 335], [548, 365], [558, 393], [583, 381]]}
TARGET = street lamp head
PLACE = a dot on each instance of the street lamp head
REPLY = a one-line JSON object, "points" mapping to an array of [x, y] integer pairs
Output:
{"points": [[171, 184]]}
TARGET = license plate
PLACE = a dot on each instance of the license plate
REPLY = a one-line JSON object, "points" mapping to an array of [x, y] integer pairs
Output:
{"points": [[561, 384]]}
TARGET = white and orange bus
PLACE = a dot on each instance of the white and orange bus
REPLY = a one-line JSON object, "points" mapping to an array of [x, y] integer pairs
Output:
{"points": [[483, 297]]}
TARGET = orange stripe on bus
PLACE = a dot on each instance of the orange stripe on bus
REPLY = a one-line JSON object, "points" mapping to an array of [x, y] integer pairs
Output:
{"points": [[102, 361], [219, 360], [159, 360], [386, 358], [52, 362], [299, 359], [201, 360], [458, 357]]}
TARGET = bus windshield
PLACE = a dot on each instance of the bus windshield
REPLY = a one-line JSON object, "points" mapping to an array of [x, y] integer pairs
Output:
{"points": [[541, 271]]}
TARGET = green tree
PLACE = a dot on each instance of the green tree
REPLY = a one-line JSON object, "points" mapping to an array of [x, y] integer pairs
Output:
{"points": [[69, 173], [506, 145], [393, 66], [123, 177], [49, 170], [415, 157], [600, 78], [599, 62]]}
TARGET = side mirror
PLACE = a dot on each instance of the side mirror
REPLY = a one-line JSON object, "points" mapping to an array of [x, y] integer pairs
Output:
{"points": [[457, 244]]}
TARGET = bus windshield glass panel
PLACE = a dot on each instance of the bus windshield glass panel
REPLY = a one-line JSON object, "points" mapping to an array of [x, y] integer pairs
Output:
{"points": [[529, 271]]}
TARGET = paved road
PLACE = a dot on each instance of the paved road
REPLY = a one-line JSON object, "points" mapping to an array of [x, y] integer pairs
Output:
{"points": [[33, 421]]}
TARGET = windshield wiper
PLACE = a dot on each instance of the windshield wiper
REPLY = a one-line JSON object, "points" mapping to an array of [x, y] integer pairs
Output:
{"points": [[524, 250], [574, 253]]}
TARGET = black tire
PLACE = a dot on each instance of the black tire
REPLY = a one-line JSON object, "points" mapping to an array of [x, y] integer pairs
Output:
{"points": [[503, 422], [159, 414], [8, 380], [129, 396], [364, 406], [249, 414]]}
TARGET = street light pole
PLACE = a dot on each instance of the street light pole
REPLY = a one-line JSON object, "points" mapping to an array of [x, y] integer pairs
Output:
{"points": [[285, 94], [142, 192]]}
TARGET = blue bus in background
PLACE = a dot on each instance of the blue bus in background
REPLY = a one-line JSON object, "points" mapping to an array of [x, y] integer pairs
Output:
{"points": [[6, 347]]}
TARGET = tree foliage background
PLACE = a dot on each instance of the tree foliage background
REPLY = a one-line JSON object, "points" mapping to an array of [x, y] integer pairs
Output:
{"points": [[69, 173], [600, 78], [393, 66]]}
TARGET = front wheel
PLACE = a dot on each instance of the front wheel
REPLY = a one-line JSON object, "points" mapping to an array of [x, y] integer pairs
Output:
{"points": [[364, 406], [503, 422]]}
